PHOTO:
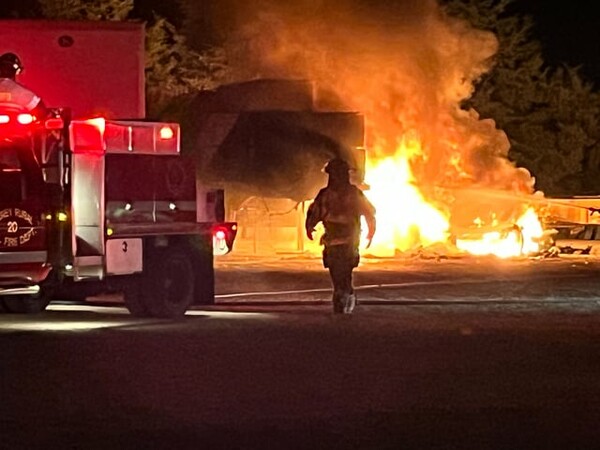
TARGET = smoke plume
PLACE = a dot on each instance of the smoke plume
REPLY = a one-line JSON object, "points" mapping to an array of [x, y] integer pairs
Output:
{"points": [[406, 65]]}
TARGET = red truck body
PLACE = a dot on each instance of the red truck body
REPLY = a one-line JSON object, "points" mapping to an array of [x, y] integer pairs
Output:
{"points": [[93, 68], [93, 198]]}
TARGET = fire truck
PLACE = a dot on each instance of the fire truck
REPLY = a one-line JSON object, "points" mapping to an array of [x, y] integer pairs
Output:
{"points": [[97, 205]]}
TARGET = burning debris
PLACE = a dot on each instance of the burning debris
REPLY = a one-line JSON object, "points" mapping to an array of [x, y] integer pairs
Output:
{"points": [[433, 169]]}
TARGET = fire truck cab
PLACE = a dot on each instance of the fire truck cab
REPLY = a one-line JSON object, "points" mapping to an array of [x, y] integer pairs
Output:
{"points": [[90, 206]]}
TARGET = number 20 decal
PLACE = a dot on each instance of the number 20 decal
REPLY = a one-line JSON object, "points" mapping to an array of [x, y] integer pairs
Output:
{"points": [[13, 227]]}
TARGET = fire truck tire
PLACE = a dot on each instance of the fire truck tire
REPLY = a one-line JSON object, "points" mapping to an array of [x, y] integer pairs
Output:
{"points": [[26, 304], [134, 301], [168, 287]]}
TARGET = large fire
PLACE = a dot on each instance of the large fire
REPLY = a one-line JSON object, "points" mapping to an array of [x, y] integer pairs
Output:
{"points": [[434, 168], [406, 220]]}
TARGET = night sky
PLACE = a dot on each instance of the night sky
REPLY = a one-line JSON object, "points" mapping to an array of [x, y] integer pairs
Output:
{"points": [[569, 32]]}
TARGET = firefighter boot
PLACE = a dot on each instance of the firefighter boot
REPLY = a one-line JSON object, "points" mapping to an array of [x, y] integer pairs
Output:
{"points": [[338, 305], [349, 303]]}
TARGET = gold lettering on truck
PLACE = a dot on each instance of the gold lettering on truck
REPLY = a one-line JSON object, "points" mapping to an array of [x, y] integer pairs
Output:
{"points": [[23, 232], [10, 242], [24, 215], [5, 213], [26, 237]]}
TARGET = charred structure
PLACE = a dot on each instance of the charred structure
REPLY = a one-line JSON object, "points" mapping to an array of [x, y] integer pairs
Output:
{"points": [[266, 143]]}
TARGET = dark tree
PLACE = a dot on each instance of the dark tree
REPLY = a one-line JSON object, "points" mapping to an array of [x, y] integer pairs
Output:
{"points": [[172, 68], [86, 10], [549, 114], [14, 9]]}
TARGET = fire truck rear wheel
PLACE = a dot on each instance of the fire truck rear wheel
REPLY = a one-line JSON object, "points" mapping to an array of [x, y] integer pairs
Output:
{"points": [[134, 301], [168, 287], [26, 304]]}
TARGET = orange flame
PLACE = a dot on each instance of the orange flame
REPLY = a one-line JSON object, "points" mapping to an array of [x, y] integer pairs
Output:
{"points": [[520, 239], [407, 221]]}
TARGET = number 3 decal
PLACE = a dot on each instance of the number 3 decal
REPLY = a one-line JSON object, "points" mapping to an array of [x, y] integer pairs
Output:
{"points": [[13, 227]]}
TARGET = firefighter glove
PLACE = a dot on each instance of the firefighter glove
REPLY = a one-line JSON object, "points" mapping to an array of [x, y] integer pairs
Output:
{"points": [[309, 233]]}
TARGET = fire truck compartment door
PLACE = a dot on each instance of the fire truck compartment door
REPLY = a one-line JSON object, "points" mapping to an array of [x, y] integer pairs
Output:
{"points": [[123, 256], [88, 204]]}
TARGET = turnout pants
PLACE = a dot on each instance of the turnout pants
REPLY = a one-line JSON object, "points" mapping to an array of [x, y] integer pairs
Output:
{"points": [[341, 261]]}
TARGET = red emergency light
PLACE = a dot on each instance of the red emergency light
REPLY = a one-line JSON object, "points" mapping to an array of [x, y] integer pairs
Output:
{"points": [[223, 236], [15, 122], [54, 123], [25, 119], [22, 118], [99, 123], [87, 136]]}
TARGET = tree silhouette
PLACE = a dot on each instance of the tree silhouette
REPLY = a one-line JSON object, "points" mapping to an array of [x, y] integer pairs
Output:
{"points": [[172, 68], [549, 114]]}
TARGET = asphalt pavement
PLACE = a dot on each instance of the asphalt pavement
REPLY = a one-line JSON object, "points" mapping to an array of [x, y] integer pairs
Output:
{"points": [[440, 354]]}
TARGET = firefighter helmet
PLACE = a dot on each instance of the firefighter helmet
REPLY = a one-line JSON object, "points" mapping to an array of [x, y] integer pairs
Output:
{"points": [[10, 65], [337, 165]]}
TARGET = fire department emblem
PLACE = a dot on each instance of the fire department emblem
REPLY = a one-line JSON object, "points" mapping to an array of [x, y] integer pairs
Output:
{"points": [[16, 227]]}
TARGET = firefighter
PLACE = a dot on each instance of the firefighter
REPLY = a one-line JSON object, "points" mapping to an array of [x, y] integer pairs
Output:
{"points": [[339, 206], [14, 94]]}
